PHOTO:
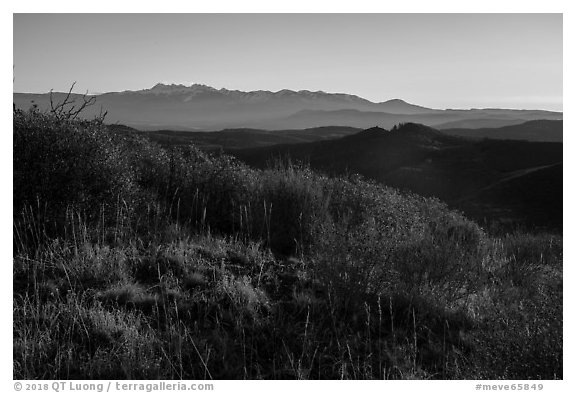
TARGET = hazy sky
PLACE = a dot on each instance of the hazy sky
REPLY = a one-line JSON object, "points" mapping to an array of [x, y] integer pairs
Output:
{"points": [[435, 60]]}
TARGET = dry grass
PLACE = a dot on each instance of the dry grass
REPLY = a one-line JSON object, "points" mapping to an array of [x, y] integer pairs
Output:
{"points": [[192, 266]]}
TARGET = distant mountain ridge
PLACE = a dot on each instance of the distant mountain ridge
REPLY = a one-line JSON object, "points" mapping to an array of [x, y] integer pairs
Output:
{"points": [[202, 107], [391, 106]]}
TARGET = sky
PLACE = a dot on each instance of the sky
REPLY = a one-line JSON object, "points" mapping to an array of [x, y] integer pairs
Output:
{"points": [[435, 60]]}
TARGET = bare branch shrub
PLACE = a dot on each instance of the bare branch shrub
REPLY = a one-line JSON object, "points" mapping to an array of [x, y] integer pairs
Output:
{"points": [[69, 108]]}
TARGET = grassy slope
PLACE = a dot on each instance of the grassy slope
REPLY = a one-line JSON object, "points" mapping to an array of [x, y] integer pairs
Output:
{"points": [[136, 262]]}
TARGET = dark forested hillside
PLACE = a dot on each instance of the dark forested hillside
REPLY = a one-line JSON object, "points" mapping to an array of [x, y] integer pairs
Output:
{"points": [[535, 131], [430, 163]]}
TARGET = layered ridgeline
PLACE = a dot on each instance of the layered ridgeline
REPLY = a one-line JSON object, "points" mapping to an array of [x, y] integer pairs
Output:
{"points": [[201, 107], [243, 138], [136, 261]]}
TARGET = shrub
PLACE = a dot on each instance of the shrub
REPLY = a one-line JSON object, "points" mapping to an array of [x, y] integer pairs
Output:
{"points": [[62, 165]]}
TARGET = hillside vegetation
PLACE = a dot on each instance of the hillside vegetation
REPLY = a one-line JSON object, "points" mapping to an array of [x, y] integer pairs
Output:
{"points": [[136, 261]]}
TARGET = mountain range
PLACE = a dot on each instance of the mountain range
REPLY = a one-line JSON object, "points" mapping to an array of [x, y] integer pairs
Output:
{"points": [[204, 108]]}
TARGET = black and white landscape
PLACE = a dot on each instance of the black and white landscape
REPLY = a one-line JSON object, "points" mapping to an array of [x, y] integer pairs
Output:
{"points": [[200, 107], [183, 231]]}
